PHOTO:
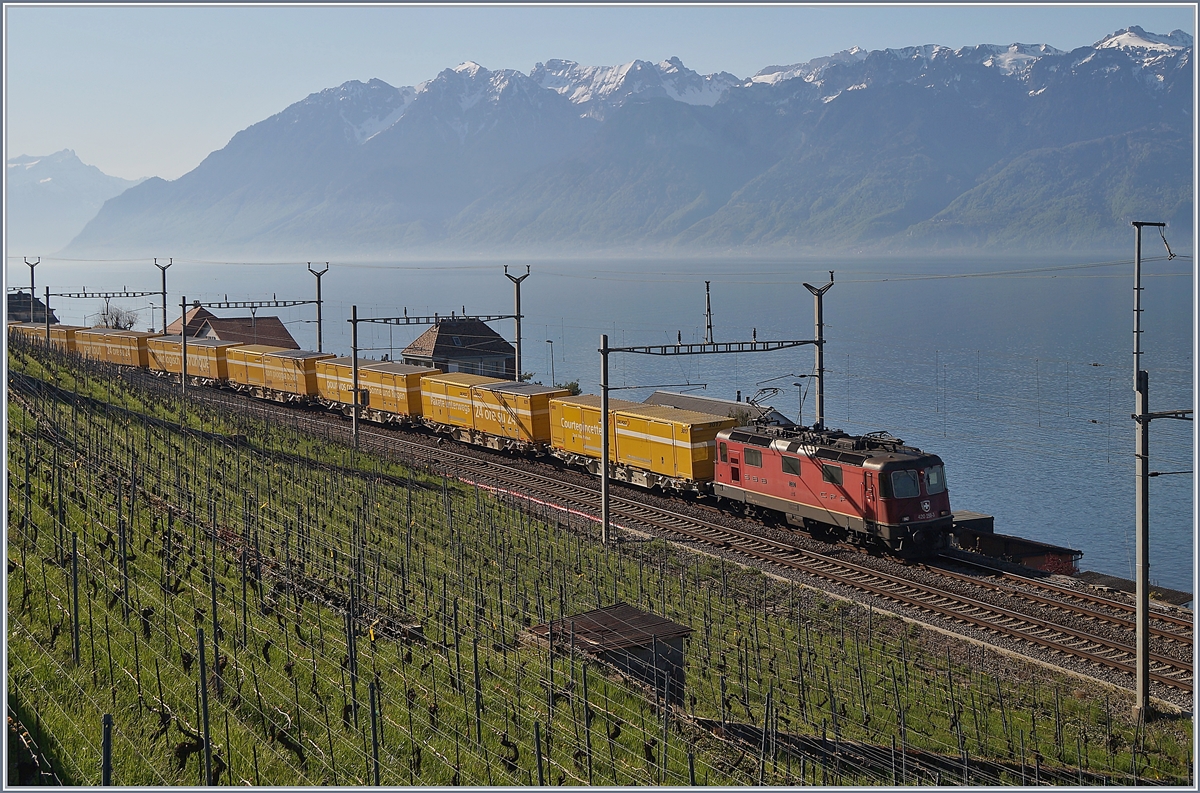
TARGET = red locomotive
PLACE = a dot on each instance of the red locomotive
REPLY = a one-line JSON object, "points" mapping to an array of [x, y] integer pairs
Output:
{"points": [[867, 489]]}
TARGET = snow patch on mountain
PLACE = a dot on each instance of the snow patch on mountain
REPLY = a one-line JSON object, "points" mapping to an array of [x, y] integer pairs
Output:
{"points": [[1134, 38], [809, 71], [599, 89], [1016, 59]]}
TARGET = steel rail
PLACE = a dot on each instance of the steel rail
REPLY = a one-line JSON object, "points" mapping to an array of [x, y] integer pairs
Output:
{"points": [[1081, 611], [1087, 597]]}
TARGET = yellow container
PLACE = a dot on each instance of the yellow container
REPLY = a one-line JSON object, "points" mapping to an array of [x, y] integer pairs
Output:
{"points": [[394, 387], [246, 363], [520, 411], [335, 378], [575, 424], [63, 336], [669, 441], [663, 440], [124, 347], [30, 331], [446, 398], [206, 358], [90, 343], [293, 371]]}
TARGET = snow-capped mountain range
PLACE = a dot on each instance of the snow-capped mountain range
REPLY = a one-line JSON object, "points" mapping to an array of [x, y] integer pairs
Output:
{"points": [[893, 145]]}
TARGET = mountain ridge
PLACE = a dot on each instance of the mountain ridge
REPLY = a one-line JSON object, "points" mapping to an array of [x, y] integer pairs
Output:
{"points": [[857, 149]]}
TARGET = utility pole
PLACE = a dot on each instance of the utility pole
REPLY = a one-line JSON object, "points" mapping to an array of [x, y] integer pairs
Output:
{"points": [[31, 266], [818, 294], [553, 380], [604, 520], [183, 335], [163, 268], [517, 313], [1143, 417], [708, 334], [354, 371], [318, 274], [47, 317]]}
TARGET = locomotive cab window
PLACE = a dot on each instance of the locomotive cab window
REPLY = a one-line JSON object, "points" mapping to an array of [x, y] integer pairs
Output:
{"points": [[905, 484], [935, 480], [831, 474], [791, 465], [724, 452], [753, 457]]}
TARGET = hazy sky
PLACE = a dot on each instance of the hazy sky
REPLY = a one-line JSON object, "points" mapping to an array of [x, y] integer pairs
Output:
{"points": [[150, 91]]}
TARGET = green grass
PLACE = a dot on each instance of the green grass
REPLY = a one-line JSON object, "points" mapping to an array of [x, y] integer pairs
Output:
{"points": [[317, 520]]}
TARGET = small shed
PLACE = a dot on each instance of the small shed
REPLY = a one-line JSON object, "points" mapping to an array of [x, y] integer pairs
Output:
{"points": [[463, 344], [640, 645]]}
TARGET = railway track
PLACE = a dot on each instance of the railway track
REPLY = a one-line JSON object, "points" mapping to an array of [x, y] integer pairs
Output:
{"points": [[1058, 639], [1170, 627]]}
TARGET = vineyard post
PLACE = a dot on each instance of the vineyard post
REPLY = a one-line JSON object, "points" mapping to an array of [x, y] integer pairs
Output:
{"points": [[183, 349], [106, 750], [75, 596], [374, 733], [208, 780], [537, 746]]}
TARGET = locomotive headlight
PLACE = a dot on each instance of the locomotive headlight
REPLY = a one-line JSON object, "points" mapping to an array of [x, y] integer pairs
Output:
{"points": [[945, 512], [904, 519]]}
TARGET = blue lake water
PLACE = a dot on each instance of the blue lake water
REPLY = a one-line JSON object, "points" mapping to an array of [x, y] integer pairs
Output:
{"points": [[1022, 382]]}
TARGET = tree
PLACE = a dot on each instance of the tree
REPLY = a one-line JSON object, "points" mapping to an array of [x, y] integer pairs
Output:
{"points": [[118, 318], [572, 386]]}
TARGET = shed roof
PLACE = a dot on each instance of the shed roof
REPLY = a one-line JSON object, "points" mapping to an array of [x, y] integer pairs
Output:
{"points": [[616, 627], [459, 338]]}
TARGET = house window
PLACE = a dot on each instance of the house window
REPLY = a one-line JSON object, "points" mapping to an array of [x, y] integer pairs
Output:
{"points": [[457, 341]]}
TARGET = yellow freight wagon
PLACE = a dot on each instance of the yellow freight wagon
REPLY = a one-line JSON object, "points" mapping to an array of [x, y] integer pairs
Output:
{"points": [[293, 372], [29, 331], [649, 444], [63, 336], [394, 387], [246, 366], [335, 378], [123, 347], [669, 441], [575, 425], [446, 398], [206, 358], [90, 343], [518, 411]]}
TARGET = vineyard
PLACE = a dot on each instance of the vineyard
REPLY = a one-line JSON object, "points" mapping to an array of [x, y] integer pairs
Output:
{"points": [[330, 617]]}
